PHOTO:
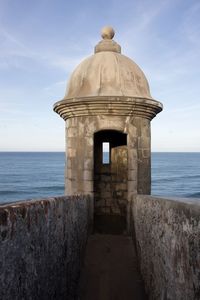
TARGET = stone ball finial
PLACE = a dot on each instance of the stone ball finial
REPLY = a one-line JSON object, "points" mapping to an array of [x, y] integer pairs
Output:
{"points": [[107, 33]]}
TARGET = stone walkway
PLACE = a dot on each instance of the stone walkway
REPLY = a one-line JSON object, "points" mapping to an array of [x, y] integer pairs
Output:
{"points": [[110, 270]]}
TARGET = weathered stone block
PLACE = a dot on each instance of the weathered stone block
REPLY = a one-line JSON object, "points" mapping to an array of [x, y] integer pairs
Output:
{"points": [[132, 175], [144, 143], [132, 186], [71, 152], [72, 132], [88, 164], [88, 187], [71, 142], [87, 175]]}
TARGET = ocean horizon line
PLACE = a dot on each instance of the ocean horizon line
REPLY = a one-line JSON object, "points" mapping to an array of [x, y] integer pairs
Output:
{"points": [[49, 151]]}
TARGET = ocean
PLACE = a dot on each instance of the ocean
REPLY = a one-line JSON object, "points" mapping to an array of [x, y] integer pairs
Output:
{"points": [[32, 175]]}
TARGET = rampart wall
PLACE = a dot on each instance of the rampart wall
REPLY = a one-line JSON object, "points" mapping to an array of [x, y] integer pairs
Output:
{"points": [[167, 236], [41, 247], [42, 244]]}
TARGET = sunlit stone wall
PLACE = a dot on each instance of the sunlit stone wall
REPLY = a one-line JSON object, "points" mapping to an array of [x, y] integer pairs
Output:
{"points": [[80, 152]]}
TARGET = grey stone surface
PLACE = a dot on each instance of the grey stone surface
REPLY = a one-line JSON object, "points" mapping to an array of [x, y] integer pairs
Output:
{"points": [[41, 247], [110, 270], [168, 243]]}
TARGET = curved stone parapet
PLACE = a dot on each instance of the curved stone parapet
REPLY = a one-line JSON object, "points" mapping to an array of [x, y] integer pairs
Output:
{"points": [[115, 106]]}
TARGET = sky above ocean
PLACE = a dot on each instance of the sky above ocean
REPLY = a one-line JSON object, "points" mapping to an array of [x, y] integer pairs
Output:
{"points": [[42, 41]]}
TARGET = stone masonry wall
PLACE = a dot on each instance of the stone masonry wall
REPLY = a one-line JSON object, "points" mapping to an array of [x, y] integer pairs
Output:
{"points": [[168, 243], [79, 171], [41, 247], [80, 146]]}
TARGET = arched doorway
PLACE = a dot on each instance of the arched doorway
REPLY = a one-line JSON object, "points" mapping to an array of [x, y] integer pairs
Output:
{"points": [[110, 181]]}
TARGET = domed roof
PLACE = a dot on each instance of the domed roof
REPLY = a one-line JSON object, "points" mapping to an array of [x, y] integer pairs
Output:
{"points": [[108, 83], [108, 73]]}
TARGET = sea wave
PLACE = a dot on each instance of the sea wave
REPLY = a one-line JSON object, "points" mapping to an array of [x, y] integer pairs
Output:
{"points": [[193, 195], [7, 192], [176, 178], [49, 188]]}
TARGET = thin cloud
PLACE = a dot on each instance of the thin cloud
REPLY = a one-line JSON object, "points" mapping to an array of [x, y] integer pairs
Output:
{"points": [[13, 51]]}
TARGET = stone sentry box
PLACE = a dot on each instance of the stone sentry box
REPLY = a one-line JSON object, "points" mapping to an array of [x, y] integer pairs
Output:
{"points": [[108, 100]]}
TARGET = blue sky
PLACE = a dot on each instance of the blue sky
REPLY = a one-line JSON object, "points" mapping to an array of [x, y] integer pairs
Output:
{"points": [[41, 42]]}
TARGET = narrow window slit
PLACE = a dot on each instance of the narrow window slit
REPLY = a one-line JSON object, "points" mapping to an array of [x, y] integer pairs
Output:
{"points": [[106, 153]]}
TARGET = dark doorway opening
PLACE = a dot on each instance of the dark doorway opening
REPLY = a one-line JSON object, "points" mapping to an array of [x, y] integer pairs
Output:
{"points": [[110, 181]]}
